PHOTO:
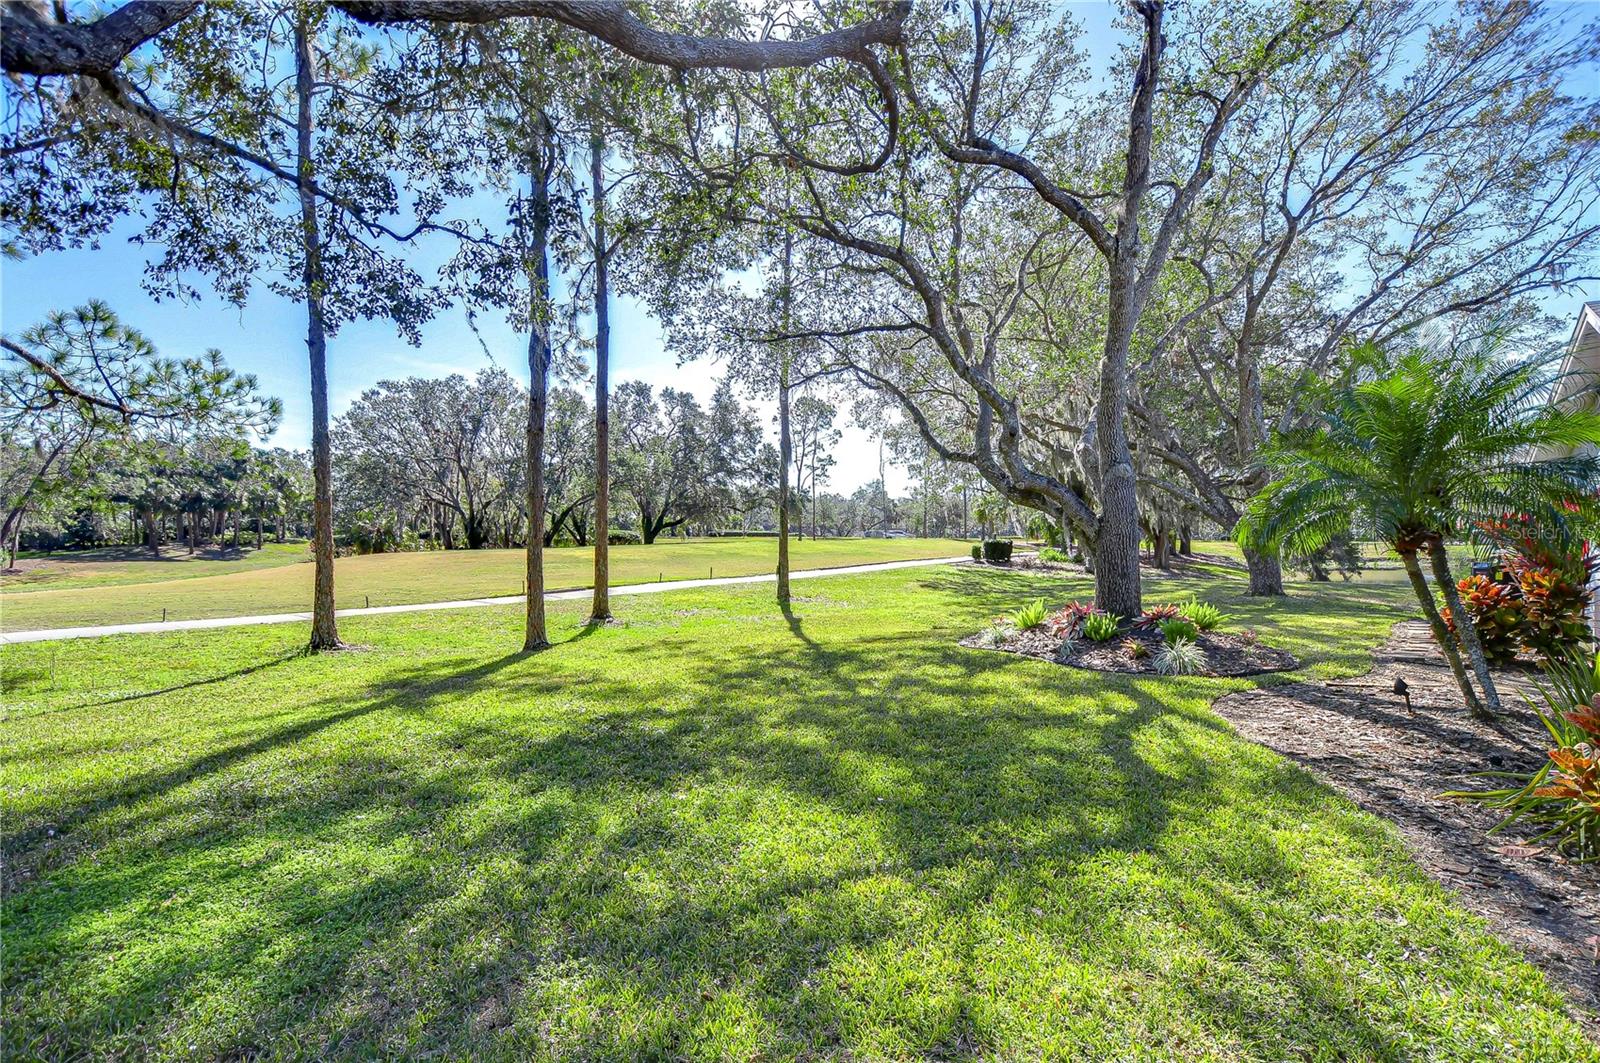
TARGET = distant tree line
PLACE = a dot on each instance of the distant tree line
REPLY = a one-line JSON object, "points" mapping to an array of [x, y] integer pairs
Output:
{"points": [[432, 464]]}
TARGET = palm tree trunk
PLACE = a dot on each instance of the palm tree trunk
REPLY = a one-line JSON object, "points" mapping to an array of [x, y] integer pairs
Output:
{"points": [[1465, 629], [1441, 634]]}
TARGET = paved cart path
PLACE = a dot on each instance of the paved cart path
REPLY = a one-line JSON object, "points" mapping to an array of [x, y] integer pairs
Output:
{"points": [[52, 634]]}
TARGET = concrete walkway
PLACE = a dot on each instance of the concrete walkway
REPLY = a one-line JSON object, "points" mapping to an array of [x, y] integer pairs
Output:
{"points": [[52, 634]]}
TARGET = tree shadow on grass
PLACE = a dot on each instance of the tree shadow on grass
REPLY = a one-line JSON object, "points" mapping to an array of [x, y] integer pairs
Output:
{"points": [[833, 843]]}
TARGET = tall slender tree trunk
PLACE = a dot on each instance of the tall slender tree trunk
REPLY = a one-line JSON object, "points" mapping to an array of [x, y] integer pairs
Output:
{"points": [[785, 442], [1466, 630], [600, 611], [538, 249], [1441, 634], [324, 627], [1266, 572]]}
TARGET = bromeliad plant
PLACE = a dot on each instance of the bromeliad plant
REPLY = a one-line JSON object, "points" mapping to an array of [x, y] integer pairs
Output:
{"points": [[1178, 629], [1420, 446], [1204, 615], [1029, 616], [1067, 622], [1157, 614], [1100, 627], [1561, 798]]}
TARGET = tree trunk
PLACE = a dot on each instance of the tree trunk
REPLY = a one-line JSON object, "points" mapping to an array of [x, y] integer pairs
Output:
{"points": [[1466, 630], [1441, 634], [1161, 547], [152, 531], [600, 610], [1116, 547], [324, 627], [1266, 573], [536, 637], [1185, 541], [785, 442], [259, 530]]}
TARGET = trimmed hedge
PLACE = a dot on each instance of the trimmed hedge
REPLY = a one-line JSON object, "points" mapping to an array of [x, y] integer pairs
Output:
{"points": [[997, 550]]}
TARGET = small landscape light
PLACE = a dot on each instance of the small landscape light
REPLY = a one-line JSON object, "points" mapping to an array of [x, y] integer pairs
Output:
{"points": [[1404, 691]]}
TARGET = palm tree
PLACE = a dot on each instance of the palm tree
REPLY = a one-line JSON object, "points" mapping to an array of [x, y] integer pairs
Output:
{"points": [[1421, 447]]}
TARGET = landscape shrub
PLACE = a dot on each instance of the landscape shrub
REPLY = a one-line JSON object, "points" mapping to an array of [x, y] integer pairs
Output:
{"points": [[1551, 577], [997, 550], [1553, 603], [1134, 650], [1181, 657], [1204, 615], [623, 537], [1497, 611], [1052, 555], [977, 552], [1178, 630], [1100, 627], [1030, 615], [1562, 797]]}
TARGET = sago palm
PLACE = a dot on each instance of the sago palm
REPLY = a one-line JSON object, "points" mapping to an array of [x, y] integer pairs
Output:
{"points": [[1427, 445]]}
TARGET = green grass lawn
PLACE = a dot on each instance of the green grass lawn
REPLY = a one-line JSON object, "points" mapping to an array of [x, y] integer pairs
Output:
{"points": [[716, 832], [402, 579], [112, 565]]}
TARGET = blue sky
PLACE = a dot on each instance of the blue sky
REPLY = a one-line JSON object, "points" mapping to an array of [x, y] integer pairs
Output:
{"points": [[267, 337]]}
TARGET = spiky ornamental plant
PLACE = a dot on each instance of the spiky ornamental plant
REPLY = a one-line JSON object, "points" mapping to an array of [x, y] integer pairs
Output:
{"points": [[1421, 445]]}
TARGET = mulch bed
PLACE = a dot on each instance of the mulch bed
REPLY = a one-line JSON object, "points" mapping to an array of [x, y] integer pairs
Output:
{"points": [[1180, 566], [1357, 736], [1228, 655]]}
